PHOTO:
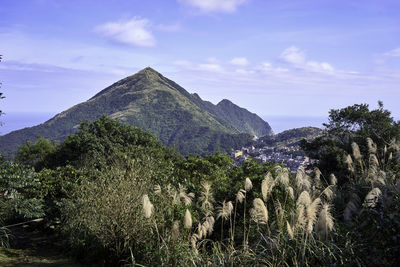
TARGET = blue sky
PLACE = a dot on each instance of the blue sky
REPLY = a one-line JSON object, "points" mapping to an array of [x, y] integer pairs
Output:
{"points": [[273, 57]]}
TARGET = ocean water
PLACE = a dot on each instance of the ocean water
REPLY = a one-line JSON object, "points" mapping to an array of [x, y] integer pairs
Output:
{"points": [[12, 121], [282, 123]]}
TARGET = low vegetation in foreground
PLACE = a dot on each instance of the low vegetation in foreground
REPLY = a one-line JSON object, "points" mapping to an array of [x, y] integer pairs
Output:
{"points": [[115, 195]]}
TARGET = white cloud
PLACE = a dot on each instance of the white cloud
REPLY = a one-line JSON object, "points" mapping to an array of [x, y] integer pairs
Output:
{"points": [[244, 71], [297, 58], [393, 53], [293, 55], [227, 6], [210, 67], [267, 67], [134, 32], [319, 66], [239, 61]]}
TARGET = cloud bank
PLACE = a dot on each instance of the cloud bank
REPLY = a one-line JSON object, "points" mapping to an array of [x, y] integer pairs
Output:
{"points": [[134, 32]]}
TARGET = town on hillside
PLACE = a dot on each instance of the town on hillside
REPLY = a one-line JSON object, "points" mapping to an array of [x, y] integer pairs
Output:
{"points": [[291, 156]]}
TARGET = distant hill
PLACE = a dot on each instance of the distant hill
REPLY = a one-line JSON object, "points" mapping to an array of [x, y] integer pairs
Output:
{"points": [[291, 137], [156, 104]]}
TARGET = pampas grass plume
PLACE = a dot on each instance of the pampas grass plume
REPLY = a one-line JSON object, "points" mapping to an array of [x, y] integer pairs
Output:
{"points": [[240, 196], [371, 146], [259, 211], [325, 222], [267, 185], [372, 197], [300, 221], [248, 184], [157, 190], [349, 162], [289, 230], [225, 210], [328, 192], [311, 214], [304, 199], [147, 206], [356, 151], [187, 221], [290, 191], [175, 229], [332, 179]]}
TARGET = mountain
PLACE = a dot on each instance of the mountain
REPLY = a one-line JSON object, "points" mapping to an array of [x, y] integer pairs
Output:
{"points": [[291, 137], [154, 103]]}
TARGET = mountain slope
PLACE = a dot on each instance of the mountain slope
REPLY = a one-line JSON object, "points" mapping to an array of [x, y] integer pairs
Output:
{"points": [[291, 137], [154, 103], [243, 120]]}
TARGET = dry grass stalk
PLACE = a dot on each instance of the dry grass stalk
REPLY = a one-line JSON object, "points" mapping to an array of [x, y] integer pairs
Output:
{"points": [[193, 241], [332, 179], [185, 197], [372, 148], [328, 193], [210, 224], [302, 180], [283, 177], [279, 211], [290, 191], [201, 231], [175, 230], [300, 219], [259, 212], [157, 190], [349, 162], [225, 210], [240, 195], [187, 221], [248, 184], [311, 214], [373, 160], [147, 206], [267, 185], [318, 173], [373, 197], [356, 151], [206, 198], [300, 177], [304, 199], [289, 230], [325, 222]]}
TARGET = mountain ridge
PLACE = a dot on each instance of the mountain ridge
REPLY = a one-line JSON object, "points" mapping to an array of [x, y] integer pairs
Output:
{"points": [[150, 101]]}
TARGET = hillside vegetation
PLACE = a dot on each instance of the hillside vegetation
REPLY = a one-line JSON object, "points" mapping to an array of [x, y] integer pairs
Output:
{"points": [[116, 196], [156, 104], [291, 137]]}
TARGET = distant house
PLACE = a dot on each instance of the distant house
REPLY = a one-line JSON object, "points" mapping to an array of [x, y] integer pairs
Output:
{"points": [[237, 154]]}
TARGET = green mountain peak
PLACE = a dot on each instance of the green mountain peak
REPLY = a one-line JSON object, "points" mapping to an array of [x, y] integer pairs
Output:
{"points": [[154, 103]]}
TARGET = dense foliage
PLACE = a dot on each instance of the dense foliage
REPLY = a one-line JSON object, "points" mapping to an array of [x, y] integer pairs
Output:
{"points": [[118, 196], [357, 124]]}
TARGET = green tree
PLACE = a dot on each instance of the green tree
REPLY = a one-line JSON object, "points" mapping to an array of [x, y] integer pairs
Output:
{"points": [[352, 124], [34, 153]]}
